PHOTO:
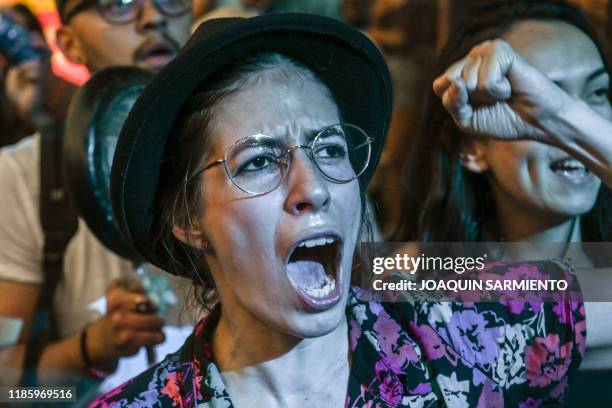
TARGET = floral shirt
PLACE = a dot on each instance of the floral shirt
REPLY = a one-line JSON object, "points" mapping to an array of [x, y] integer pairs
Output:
{"points": [[421, 354]]}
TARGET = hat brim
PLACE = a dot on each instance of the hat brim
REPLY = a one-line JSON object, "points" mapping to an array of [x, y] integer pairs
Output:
{"points": [[86, 149], [341, 57]]}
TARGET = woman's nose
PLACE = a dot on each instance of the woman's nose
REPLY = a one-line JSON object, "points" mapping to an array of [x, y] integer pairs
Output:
{"points": [[307, 189]]}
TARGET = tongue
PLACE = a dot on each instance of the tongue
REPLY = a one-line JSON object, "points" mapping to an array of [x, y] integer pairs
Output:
{"points": [[306, 275]]}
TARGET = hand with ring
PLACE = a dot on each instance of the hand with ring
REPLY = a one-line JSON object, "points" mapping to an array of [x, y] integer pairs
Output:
{"points": [[129, 324]]}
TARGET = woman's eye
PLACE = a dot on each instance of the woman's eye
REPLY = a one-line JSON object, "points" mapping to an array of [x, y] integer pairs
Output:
{"points": [[598, 96], [331, 151], [258, 163]]}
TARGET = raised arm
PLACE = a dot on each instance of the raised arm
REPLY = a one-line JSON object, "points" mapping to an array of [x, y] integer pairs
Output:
{"points": [[494, 92]]}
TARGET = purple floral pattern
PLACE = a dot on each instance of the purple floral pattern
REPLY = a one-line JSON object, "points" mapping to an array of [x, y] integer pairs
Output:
{"points": [[424, 354]]}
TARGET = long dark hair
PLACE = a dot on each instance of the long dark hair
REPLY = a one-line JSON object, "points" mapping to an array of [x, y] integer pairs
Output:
{"points": [[442, 201]]}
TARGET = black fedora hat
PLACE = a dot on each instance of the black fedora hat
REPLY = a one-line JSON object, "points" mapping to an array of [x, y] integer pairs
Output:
{"points": [[345, 60], [96, 114]]}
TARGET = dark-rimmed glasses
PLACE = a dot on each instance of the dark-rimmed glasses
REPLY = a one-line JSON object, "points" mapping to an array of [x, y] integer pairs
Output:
{"points": [[125, 11], [259, 164]]}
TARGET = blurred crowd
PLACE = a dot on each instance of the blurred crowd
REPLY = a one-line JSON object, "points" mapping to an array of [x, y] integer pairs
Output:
{"points": [[406, 31], [31, 96], [409, 32]]}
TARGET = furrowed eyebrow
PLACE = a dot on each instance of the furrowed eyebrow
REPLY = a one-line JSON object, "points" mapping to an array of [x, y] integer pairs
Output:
{"points": [[598, 72], [311, 134]]}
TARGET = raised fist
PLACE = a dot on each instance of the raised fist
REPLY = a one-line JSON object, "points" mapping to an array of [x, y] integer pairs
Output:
{"points": [[494, 92]]}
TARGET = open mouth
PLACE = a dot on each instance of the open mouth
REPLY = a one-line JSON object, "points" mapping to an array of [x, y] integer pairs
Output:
{"points": [[157, 53], [571, 170], [313, 270]]}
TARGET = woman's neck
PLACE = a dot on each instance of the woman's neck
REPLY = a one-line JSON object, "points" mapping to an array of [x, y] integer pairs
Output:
{"points": [[535, 239], [566, 231], [516, 222], [260, 364]]}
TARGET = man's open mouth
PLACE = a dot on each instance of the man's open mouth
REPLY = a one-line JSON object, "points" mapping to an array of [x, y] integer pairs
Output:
{"points": [[313, 270], [159, 50], [156, 52]]}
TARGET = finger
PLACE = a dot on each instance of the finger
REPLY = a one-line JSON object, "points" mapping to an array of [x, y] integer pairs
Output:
{"points": [[135, 321], [128, 283], [441, 84], [122, 299], [455, 96], [450, 100], [456, 102], [444, 81], [144, 338], [454, 71], [493, 76], [470, 73], [130, 342]]}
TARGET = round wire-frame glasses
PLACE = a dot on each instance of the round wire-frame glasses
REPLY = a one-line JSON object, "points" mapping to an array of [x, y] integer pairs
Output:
{"points": [[259, 163], [125, 11]]}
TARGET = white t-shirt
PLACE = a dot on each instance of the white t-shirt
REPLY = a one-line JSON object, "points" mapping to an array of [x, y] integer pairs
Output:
{"points": [[88, 266]]}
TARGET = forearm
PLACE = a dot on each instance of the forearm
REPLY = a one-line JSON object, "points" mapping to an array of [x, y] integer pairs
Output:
{"points": [[60, 360], [584, 134], [121, 332], [11, 361]]}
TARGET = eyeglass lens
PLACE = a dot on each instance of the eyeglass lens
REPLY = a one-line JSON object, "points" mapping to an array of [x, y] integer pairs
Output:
{"points": [[259, 164], [123, 11]]}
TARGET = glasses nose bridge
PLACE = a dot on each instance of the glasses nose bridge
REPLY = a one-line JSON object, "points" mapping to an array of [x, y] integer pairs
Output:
{"points": [[291, 152], [308, 152], [301, 146]]}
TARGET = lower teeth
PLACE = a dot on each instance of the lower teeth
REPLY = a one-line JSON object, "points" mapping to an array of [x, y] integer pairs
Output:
{"points": [[326, 289], [573, 173]]}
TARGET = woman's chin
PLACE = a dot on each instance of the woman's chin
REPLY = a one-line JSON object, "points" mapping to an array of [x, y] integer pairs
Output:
{"points": [[571, 209], [311, 325]]}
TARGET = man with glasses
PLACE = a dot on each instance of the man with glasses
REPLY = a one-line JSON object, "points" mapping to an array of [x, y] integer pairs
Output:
{"points": [[98, 34], [101, 33]]}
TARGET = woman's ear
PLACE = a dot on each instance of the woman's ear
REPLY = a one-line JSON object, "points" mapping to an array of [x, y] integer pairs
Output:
{"points": [[192, 236], [473, 155]]}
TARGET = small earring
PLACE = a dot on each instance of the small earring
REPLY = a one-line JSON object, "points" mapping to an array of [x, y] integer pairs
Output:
{"points": [[204, 245]]}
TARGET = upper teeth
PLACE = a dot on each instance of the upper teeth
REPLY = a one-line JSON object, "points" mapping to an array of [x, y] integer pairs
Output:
{"points": [[569, 164], [309, 243]]}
